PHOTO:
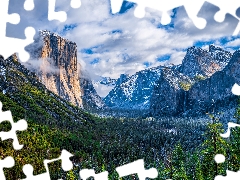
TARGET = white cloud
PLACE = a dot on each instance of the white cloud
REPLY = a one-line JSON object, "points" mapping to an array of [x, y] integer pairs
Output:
{"points": [[135, 41], [234, 43]]}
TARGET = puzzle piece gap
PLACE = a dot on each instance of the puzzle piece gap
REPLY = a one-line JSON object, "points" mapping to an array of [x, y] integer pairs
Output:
{"points": [[52, 15], [166, 19], [13, 18], [139, 11], [29, 5], [75, 4], [219, 158], [8, 162], [219, 16]]}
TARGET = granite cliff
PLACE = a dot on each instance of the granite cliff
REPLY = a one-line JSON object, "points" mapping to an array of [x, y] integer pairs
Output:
{"points": [[54, 60]]}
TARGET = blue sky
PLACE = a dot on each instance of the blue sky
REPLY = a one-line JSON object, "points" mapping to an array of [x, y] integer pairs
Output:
{"points": [[113, 44]]}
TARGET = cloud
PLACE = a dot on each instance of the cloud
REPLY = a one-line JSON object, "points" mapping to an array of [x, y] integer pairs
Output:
{"points": [[233, 43], [42, 64], [123, 43]]}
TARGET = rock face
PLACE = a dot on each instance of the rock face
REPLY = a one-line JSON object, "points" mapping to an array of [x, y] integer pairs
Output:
{"points": [[91, 100], [215, 91], [54, 60], [202, 96], [169, 93], [133, 92], [199, 62]]}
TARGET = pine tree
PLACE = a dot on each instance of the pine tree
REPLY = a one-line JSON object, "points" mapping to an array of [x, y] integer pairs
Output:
{"points": [[198, 170], [178, 163], [214, 144], [233, 158]]}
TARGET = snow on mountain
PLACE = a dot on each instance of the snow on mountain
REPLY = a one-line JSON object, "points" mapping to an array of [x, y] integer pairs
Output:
{"points": [[133, 92], [104, 85], [166, 86], [199, 62]]}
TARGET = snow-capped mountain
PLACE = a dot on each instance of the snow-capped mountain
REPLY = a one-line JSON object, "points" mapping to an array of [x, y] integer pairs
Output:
{"points": [[165, 90], [134, 91], [103, 85], [108, 81]]}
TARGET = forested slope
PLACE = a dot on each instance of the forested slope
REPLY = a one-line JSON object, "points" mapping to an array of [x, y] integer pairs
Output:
{"points": [[180, 148]]}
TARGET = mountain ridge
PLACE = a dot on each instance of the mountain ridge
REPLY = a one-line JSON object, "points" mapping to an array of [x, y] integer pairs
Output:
{"points": [[173, 85]]}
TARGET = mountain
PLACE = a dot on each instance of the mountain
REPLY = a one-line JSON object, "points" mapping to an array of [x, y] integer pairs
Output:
{"points": [[108, 81], [172, 90], [21, 88], [91, 100], [205, 95], [133, 92], [200, 62], [104, 85], [54, 60]]}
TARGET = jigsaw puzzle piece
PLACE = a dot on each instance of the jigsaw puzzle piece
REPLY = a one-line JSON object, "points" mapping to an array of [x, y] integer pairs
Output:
{"points": [[29, 5], [160, 5], [192, 8], [163, 6], [33, 12], [5, 17], [29, 18], [66, 164], [226, 7], [87, 173], [28, 171], [138, 168], [8, 162], [61, 15], [21, 125], [230, 125], [208, 12], [53, 15], [13, 45], [229, 6], [65, 158]]}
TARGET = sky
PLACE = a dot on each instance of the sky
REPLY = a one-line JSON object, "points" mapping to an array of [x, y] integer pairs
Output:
{"points": [[113, 44]]}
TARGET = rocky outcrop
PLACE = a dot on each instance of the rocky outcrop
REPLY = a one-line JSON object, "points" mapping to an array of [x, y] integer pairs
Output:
{"points": [[91, 100], [169, 93], [200, 84], [54, 60], [133, 92], [215, 92], [203, 96], [205, 63]]}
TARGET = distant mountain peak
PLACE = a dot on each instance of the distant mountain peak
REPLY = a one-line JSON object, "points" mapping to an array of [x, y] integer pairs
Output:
{"points": [[164, 88], [198, 61]]}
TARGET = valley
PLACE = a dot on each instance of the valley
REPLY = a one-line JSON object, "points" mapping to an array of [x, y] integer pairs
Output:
{"points": [[170, 116]]}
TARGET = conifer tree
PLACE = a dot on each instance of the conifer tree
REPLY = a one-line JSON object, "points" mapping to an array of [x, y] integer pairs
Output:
{"points": [[178, 163], [233, 159], [214, 144]]}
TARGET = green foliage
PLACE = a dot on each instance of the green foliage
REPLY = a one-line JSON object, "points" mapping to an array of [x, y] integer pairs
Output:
{"points": [[214, 144], [175, 146], [199, 78], [185, 85]]}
